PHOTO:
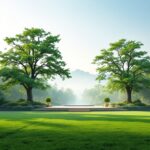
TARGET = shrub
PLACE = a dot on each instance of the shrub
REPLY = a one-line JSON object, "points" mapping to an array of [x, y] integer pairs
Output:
{"points": [[48, 101], [113, 105], [123, 103], [107, 100], [12, 104], [138, 103], [21, 100], [2, 101], [38, 104], [134, 103], [17, 103]]}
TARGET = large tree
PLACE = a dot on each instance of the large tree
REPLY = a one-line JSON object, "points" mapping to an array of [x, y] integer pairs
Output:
{"points": [[31, 59], [124, 65]]}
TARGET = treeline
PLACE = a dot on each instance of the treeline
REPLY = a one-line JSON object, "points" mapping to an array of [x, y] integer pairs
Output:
{"points": [[58, 96], [98, 93]]}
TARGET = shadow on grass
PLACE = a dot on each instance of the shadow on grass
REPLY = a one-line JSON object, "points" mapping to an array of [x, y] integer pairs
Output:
{"points": [[72, 140], [41, 131], [79, 117]]}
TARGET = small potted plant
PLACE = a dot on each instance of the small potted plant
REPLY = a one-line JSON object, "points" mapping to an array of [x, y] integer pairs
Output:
{"points": [[48, 101], [107, 101]]}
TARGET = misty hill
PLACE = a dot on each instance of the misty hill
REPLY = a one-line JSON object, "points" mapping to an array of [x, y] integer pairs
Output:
{"points": [[80, 81]]}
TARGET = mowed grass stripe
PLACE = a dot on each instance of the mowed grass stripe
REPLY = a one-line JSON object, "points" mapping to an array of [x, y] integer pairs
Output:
{"points": [[65, 130]]}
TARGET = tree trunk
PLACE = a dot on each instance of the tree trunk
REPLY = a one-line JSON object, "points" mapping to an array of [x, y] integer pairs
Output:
{"points": [[29, 95], [129, 94]]}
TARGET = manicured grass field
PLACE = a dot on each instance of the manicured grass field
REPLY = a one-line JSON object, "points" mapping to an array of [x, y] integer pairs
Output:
{"points": [[74, 131]]}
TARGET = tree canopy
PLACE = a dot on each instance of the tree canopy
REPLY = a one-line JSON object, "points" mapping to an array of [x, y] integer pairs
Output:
{"points": [[31, 59], [125, 66]]}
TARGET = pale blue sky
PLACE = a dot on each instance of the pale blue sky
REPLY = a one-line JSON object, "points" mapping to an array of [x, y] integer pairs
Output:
{"points": [[85, 26]]}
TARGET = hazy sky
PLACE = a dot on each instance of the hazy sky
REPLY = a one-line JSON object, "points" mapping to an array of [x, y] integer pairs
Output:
{"points": [[85, 26]]}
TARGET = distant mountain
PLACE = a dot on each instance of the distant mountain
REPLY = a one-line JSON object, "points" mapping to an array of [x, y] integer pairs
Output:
{"points": [[80, 81], [79, 74]]}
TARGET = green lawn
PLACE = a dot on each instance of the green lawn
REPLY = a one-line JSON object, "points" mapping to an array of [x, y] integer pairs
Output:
{"points": [[74, 131]]}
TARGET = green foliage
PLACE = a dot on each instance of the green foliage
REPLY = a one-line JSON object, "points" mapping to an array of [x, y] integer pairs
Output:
{"points": [[48, 100], [21, 100], [2, 102], [124, 66], [31, 59], [15, 92], [107, 100], [93, 95], [21, 103], [135, 103], [138, 102], [59, 96], [2, 98], [144, 95], [96, 95]]}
